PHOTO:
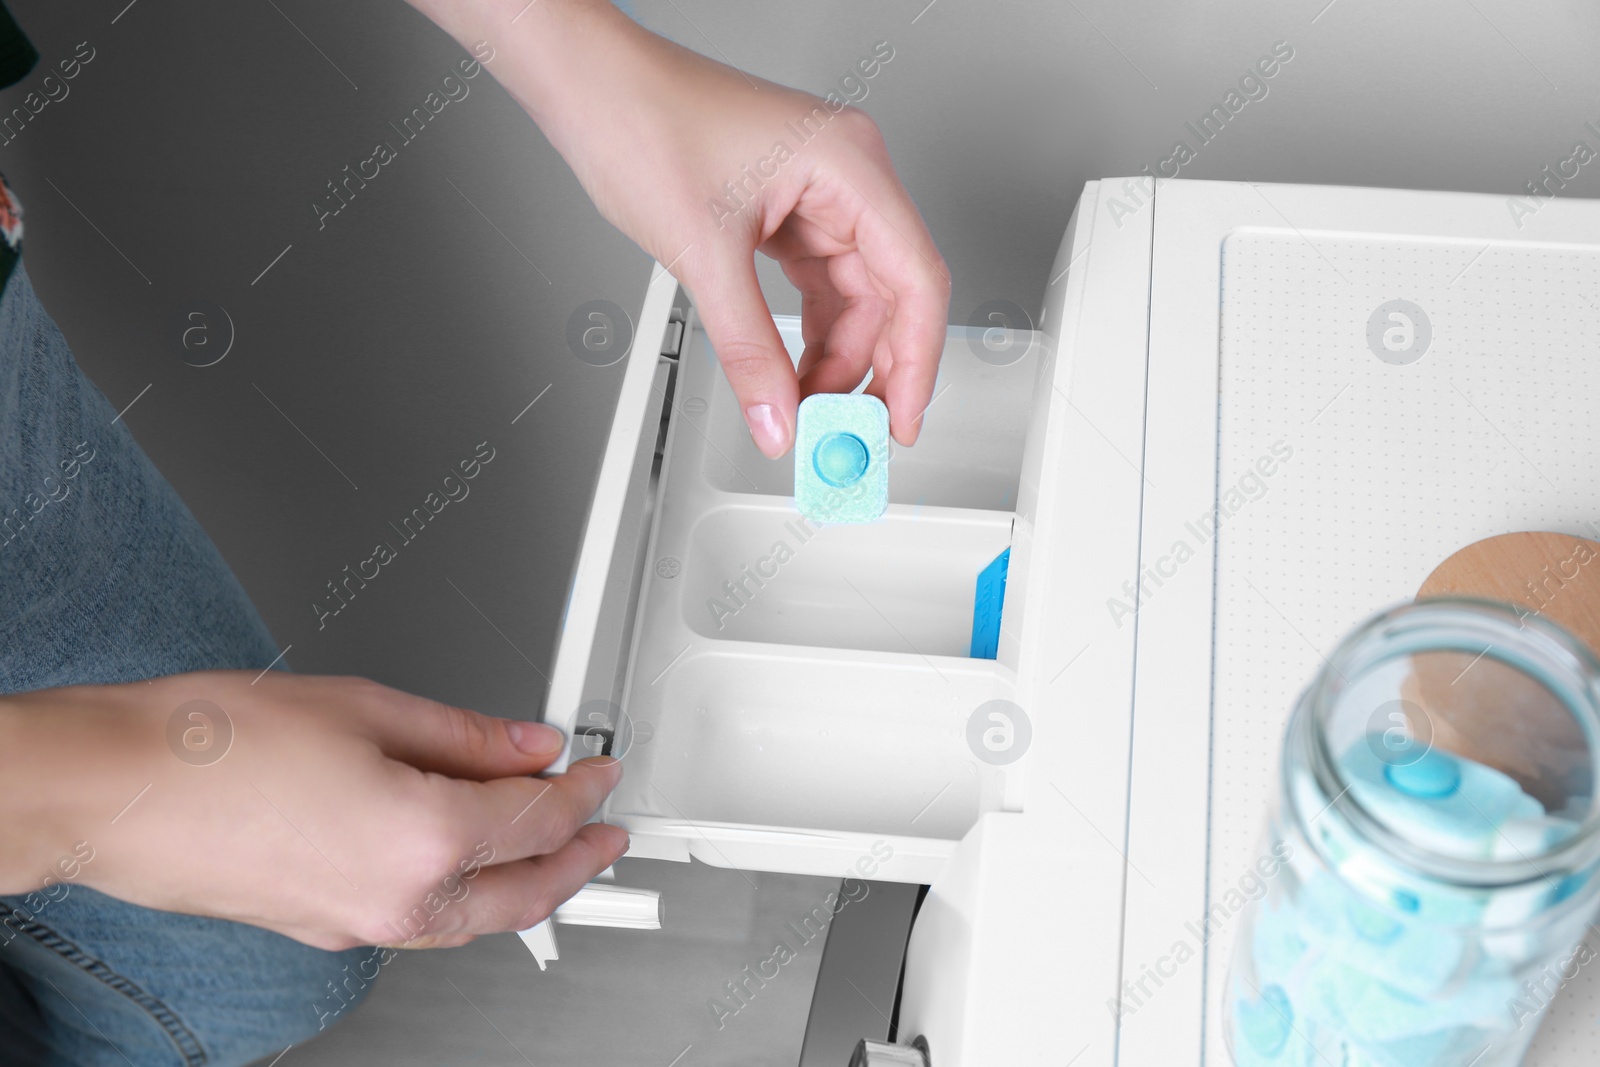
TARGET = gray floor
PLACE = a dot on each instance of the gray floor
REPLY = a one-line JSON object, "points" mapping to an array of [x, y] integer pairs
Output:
{"points": [[374, 352]]}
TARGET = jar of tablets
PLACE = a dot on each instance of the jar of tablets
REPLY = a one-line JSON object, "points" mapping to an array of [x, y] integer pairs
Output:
{"points": [[1437, 810]]}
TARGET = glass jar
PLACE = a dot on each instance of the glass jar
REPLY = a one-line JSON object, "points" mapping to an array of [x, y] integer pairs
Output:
{"points": [[1438, 835]]}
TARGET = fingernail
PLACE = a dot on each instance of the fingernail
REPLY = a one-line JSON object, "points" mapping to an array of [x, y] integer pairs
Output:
{"points": [[771, 435], [534, 738]]}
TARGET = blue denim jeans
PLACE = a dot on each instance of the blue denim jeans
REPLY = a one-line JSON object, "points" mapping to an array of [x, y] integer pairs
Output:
{"points": [[106, 577]]}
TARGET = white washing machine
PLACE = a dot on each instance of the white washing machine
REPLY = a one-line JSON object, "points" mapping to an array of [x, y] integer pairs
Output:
{"points": [[1246, 417]]}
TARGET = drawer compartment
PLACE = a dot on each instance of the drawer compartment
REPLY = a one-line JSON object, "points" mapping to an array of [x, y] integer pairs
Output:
{"points": [[973, 460], [798, 691], [780, 737], [762, 572]]}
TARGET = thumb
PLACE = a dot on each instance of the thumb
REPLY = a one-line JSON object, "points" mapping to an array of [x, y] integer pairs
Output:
{"points": [[459, 742], [730, 304]]}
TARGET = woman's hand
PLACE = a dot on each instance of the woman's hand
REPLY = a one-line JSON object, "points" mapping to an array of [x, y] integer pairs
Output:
{"points": [[703, 166], [333, 810]]}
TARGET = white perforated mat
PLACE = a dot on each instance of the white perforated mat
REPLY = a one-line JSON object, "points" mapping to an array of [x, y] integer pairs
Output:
{"points": [[1394, 465]]}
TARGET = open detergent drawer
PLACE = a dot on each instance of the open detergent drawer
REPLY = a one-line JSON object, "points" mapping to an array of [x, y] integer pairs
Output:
{"points": [[785, 694]]}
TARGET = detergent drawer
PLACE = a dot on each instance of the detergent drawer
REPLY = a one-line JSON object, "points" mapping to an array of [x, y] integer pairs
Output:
{"points": [[788, 695]]}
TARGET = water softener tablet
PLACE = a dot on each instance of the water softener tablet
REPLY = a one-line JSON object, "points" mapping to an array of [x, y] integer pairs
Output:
{"points": [[841, 458]]}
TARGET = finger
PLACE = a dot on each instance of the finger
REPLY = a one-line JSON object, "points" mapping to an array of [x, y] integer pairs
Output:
{"points": [[881, 363], [820, 303], [525, 817], [455, 741], [802, 249], [908, 391], [855, 332], [841, 311], [899, 252], [840, 319], [423, 941], [728, 297], [522, 893]]}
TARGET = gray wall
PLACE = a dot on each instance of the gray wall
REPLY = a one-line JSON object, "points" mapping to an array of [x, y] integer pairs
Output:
{"points": [[408, 329], [412, 327], [395, 338]]}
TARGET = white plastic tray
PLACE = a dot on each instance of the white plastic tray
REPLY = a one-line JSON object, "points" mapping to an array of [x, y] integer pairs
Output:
{"points": [[795, 692]]}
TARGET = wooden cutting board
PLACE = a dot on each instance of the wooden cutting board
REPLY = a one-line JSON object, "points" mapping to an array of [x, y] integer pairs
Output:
{"points": [[1553, 575], [1481, 709]]}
